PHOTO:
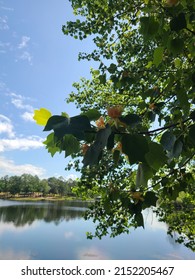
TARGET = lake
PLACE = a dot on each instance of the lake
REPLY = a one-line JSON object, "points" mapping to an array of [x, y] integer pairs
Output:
{"points": [[56, 231]]}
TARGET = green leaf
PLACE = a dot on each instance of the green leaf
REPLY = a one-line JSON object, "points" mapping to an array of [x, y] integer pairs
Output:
{"points": [[177, 63], [193, 77], [62, 125], [176, 46], [135, 147], [92, 114], [149, 26], [41, 116], [192, 115], [183, 100], [110, 143], [51, 145], [168, 140], [112, 68], [177, 149], [144, 173], [139, 219], [149, 65], [70, 145], [130, 119], [56, 122], [150, 199], [78, 126], [116, 156], [192, 134], [94, 152], [102, 79], [158, 56], [156, 157], [178, 22]]}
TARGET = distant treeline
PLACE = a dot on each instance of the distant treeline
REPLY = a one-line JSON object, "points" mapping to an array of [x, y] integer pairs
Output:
{"points": [[28, 185]]}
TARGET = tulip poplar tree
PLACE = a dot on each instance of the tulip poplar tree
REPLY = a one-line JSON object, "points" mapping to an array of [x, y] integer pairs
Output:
{"points": [[134, 140]]}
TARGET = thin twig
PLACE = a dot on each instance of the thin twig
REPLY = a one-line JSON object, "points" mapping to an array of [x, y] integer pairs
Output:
{"points": [[193, 32], [173, 171]]}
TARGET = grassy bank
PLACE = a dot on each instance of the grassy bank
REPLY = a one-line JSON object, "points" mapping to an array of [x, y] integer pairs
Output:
{"points": [[42, 198], [37, 198]]}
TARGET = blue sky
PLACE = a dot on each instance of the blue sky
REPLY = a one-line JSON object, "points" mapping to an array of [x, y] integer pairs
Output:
{"points": [[38, 65]]}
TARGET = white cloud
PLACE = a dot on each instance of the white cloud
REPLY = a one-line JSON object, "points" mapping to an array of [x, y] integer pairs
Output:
{"points": [[5, 46], [24, 144], [69, 234], [23, 50], [25, 56], [9, 167], [6, 8], [24, 42], [28, 116], [6, 126], [72, 177], [10, 254], [4, 23], [19, 102], [92, 253]]}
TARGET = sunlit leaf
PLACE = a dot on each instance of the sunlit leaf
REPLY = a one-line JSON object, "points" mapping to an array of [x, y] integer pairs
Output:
{"points": [[156, 157], [70, 145], [177, 149], [144, 173], [158, 55], [41, 116], [168, 140], [92, 114], [51, 145]]}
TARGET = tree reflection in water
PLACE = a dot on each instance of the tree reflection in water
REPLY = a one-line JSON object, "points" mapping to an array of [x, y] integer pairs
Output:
{"points": [[27, 213]]}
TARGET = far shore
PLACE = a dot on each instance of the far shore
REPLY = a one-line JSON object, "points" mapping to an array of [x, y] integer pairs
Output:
{"points": [[42, 198]]}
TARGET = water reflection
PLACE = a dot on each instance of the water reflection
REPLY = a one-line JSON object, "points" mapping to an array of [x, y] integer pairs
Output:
{"points": [[47, 230], [26, 213]]}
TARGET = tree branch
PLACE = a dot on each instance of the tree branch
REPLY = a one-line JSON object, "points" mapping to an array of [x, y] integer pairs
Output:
{"points": [[193, 32], [172, 172], [162, 128]]}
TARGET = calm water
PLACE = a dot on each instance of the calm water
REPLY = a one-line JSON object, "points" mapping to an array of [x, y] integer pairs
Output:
{"points": [[44, 230]]}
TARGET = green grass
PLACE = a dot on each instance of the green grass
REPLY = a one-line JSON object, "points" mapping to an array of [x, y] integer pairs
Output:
{"points": [[42, 198]]}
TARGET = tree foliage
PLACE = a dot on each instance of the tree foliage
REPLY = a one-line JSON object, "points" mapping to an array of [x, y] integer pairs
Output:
{"points": [[134, 141], [29, 185]]}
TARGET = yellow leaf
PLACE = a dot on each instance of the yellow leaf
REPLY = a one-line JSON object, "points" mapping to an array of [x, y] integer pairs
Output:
{"points": [[41, 116]]}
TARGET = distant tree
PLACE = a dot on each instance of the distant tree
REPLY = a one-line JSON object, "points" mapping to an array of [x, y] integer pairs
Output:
{"points": [[4, 184], [14, 184], [44, 187], [53, 185], [29, 183]]}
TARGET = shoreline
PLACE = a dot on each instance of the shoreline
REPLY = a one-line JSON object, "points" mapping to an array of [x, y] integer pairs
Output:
{"points": [[42, 198]]}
